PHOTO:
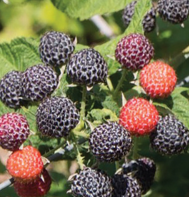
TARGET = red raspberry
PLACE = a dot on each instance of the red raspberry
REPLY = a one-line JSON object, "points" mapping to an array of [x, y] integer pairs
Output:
{"points": [[158, 79], [36, 188], [134, 51], [139, 116], [26, 164], [14, 130]]}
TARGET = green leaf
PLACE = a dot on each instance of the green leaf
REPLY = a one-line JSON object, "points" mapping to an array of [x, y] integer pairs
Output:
{"points": [[85, 9], [109, 103], [19, 54], [181, 106], [176, 104], [103, 114]]}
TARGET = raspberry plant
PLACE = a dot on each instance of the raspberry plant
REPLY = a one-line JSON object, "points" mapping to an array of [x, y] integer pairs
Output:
{"points": [[87, 89]]}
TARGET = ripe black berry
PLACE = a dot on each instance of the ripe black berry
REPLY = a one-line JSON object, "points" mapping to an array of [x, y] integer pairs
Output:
{"points": [[110, 142], [55, 48], [87, 67], [174, 11], [170, 136], [125, 186], [11, 89], [91, 183], [38, 82], [56, 116]]}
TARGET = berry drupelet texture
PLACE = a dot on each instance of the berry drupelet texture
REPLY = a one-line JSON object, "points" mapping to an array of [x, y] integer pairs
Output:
{"points": [[56, 116], [55, 48], [173, 11], [148, 22], [110, 142], [25, 165], [139, 116], [91, 183], [87, 67], [125, 186], [35, 188], [14, 130], [170, 136], [134, 51], [11, 89], [158, 79], [38, 82]]}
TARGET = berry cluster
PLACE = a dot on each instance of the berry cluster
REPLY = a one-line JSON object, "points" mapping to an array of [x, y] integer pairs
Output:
{"points": [[173, 11], [108, 142], [34, 84]]}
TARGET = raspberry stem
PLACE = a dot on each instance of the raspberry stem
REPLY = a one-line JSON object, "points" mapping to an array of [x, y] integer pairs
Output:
{"points": [[120, 83], [82, 110]]}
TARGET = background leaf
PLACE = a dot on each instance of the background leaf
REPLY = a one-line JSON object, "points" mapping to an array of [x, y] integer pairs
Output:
{"points": [[85, 9]]}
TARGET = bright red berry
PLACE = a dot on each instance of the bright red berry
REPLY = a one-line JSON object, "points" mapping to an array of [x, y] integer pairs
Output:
{"points": [[36, 188], [139, 116], [158, 79], [14, 130], [134, 51], [26, 164]]}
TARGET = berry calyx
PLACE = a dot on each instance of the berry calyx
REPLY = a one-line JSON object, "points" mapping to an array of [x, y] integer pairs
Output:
{"points": [[134, 51], [14, 130], [158, 79], [139, 116], [25, 165]]}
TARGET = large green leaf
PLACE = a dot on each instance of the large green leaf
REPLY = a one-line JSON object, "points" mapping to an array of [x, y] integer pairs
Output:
{"points": [[19, 54], [181, 106], [85, 9]]}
